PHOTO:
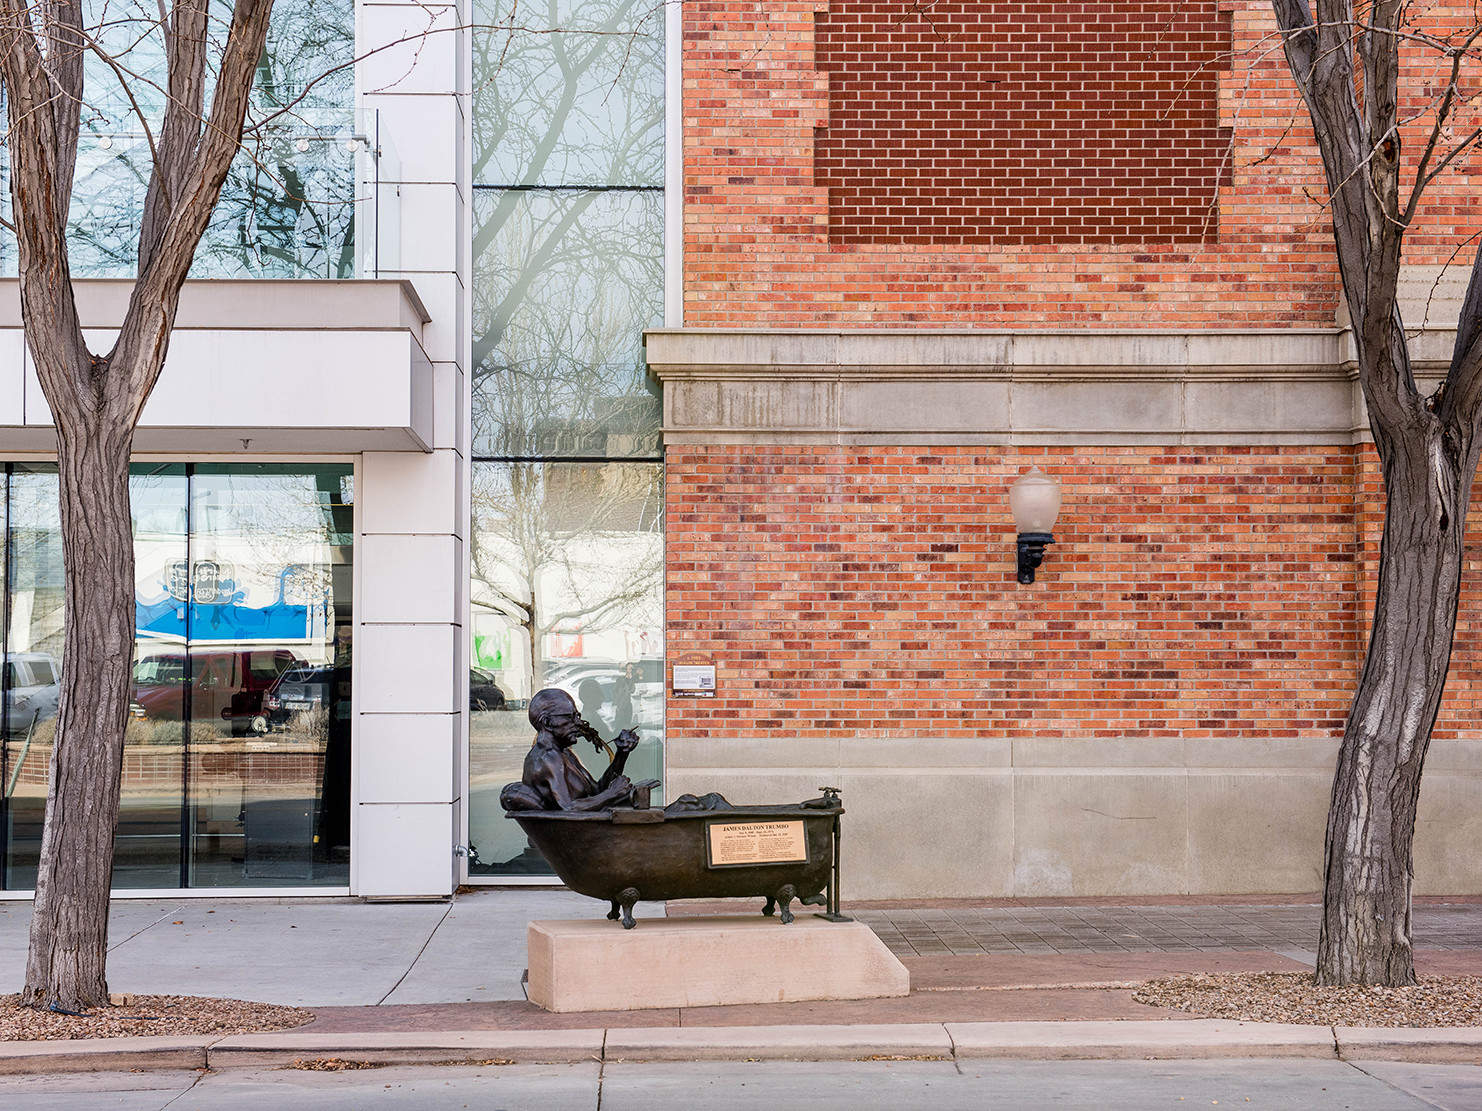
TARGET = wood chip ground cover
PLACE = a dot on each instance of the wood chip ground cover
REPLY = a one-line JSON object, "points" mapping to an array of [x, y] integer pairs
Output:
{"points": [[1295, 997], [148, 1015]]}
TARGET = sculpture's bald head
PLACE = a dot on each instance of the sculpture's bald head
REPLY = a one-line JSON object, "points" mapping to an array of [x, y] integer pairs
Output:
{"points": [[550, 703]]}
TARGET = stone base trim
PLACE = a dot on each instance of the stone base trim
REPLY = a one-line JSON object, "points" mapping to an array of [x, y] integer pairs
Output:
{"points": [[1057, 817]]}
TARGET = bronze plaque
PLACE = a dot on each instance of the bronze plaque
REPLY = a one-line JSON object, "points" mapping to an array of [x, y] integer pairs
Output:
{"points": [[732, 843]]}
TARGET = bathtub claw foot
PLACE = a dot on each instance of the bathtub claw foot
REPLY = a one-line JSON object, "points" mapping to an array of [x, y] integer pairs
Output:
{"points": [[612, 915], [784, 897], [627, 897], [769, 908]]}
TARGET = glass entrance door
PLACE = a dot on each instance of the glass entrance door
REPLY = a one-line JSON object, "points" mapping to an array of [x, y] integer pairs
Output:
{"points": [[237, 749]]}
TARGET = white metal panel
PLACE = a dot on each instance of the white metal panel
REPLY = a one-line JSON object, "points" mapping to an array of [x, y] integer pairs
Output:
{"points": [[410, 578], [287, 390], [425, 57], [430, 219], [406, 757], [406, 669], [13, 360], [425, 131], [405, 849], [288, 379], [406, 492]]}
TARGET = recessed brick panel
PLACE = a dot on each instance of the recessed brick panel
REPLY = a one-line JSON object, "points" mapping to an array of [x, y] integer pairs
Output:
{"points": [[1009, 122], [759, 253]]}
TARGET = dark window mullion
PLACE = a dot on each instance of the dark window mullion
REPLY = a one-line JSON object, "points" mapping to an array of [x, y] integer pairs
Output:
{"points": [[186, 835], [569, 188], [8, 585]]}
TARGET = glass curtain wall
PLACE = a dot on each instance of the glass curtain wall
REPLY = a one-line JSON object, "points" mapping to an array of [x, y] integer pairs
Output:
{"points": [[288, 206], [567, 547], [236, 757]]}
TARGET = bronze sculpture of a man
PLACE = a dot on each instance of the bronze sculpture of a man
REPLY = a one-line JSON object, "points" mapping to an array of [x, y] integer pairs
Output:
{"points": [[554, 778]]}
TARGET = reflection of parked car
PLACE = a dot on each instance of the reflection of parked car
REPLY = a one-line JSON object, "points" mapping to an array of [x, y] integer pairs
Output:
{"points": [[298, 689], [229, 685], [32, 680], [483, 694]]}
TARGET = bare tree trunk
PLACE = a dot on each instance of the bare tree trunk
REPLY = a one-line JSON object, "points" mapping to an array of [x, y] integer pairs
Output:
{"points": [[1368, 873], [69, 921], [1428, 452], [96, 402]]}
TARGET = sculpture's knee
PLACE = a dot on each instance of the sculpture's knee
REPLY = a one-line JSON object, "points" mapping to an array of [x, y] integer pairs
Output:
{"points": [[520, 796]]}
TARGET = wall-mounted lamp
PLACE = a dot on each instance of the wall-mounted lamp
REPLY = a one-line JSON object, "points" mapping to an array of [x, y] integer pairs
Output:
{"points": [[1035, 503]]}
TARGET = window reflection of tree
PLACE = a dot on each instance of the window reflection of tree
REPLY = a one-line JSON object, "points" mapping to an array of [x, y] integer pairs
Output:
{"points": [[560, 301], [566, 279], [284, 212], [37, 594], [560, 545], [573, 98]]}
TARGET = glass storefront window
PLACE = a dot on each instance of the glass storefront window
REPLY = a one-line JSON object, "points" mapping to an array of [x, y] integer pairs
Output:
{"points": [[568, 567], [268, 650], [33, 653], [568, 270], [147, 850], [236, 759], [564, 284]]}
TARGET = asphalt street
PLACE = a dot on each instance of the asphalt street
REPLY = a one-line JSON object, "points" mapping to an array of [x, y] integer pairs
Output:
{"points": [[1256, 1085]]}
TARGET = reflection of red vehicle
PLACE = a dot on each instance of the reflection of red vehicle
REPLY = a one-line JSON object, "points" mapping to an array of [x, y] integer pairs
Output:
{"points": [[227, 685]]}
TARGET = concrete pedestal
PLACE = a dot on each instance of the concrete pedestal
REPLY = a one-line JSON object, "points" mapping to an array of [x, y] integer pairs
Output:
{"points": [[596, 965]]}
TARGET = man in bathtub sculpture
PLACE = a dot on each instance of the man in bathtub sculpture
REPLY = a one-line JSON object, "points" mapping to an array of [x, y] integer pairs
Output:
{"points": [[554, 782], [554, 778]]}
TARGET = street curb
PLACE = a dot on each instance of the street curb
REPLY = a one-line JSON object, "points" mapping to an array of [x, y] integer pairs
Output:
{"points": [[521, 1047], [1068, 1040], [1453, 1045], [103, 1055], [779, 1043], [1100, 1040]]}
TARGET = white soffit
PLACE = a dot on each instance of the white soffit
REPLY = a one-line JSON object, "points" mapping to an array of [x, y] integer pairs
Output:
{"points": [[300, 366]]}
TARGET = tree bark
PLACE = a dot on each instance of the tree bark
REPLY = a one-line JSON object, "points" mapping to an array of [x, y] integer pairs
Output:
{"points": [[1365, 936], [1428, 454], [65, 965]]}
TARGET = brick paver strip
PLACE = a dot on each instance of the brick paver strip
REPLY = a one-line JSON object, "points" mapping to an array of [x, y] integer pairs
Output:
{"points": [[1133, 929]]}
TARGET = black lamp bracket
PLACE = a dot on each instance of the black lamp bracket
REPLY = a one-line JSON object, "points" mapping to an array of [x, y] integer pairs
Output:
{"points": [[1032, 553]]}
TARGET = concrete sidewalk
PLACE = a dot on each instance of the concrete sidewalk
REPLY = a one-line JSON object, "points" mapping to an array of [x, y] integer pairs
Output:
{"points": [[416, 982]]}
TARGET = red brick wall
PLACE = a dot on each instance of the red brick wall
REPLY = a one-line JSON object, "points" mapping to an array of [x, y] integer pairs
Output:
{"points": [[1192, 592], [1017, 121], [758, 251]]}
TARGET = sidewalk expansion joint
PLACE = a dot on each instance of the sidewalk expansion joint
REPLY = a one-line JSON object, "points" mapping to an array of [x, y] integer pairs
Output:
{"points": [[951, 1041]]}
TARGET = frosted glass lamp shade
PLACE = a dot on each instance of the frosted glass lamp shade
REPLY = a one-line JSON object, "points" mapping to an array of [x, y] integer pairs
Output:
{"points": [[1035, 502]]}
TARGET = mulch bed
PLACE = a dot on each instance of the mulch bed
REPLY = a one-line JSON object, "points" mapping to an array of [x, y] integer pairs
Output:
{"points": [[1295, 997], [143, 1015]]}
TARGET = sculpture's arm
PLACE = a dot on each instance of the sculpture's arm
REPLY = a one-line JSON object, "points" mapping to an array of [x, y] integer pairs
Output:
{"points": [[619, 790], [625, 742]]}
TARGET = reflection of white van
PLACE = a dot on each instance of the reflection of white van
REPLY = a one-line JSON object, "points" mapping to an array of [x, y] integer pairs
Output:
{"points": [[612, 695], [32, 683]]}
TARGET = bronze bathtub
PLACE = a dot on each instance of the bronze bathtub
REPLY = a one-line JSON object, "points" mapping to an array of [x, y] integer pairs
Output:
{"points": [[624, 855]]}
